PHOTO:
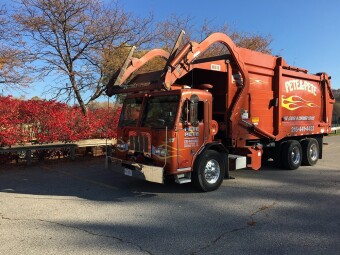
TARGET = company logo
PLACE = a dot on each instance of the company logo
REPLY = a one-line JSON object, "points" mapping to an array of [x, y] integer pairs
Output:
{"points": [[300, 85], [295, 102]]}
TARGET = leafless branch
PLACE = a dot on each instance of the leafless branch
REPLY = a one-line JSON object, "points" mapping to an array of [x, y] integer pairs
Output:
{"points": [[70, 36]]}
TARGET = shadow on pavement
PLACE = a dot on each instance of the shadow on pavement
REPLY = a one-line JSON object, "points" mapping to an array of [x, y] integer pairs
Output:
{"points": [[86, 179]]}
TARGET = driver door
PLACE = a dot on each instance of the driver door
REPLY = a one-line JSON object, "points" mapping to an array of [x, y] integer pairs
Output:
{"points": [[190, 134]]}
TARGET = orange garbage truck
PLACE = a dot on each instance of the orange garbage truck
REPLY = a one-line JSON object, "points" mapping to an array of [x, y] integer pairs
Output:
{"points": [[199, 117]]}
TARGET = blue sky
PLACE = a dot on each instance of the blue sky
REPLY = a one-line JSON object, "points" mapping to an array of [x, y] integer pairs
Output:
{"points": [[305, 33]]}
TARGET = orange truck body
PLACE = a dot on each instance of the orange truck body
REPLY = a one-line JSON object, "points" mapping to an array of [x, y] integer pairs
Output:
{"points": [[222, 112]]}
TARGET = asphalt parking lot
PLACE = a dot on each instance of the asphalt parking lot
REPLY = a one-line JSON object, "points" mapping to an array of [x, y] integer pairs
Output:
{"points": [[81, 208]]}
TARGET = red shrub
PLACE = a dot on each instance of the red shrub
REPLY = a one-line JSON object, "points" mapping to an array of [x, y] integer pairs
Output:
{"points": [[51, 121], [10, 125]]}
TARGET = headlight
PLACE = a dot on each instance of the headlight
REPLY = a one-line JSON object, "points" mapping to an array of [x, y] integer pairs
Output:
{"points": [[122, 146], [160, 151]]}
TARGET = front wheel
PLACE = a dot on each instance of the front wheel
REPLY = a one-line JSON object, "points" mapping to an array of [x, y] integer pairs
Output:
{"points": [[209, 171]]}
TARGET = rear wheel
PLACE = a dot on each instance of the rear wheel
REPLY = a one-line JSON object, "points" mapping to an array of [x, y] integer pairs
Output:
{"points": [[310, 151], [209, 171], [291, 155]]}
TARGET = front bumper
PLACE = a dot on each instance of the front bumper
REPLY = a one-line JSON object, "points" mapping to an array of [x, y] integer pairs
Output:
{"points": [[137, 170]]}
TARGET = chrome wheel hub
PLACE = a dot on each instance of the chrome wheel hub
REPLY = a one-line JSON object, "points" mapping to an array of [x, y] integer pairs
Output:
{"points": [[295, 155], [313, 152], [212, 171]]}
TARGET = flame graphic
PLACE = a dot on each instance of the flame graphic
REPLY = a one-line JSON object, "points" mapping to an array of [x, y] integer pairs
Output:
{"points": [[171, 150], [295, 102]]}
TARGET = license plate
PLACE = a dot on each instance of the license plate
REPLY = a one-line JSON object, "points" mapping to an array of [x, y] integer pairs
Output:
{"points": [[127, 171]]}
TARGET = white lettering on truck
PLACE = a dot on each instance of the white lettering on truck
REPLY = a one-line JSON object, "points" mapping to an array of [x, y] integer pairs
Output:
{"points": [[294, 85]]}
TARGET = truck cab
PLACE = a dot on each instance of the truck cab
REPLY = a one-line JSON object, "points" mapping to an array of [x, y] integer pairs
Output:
{"points": [[161, 134]]}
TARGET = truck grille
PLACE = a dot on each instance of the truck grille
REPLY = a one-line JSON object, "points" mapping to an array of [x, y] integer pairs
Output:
{"points": [[140, 142]]}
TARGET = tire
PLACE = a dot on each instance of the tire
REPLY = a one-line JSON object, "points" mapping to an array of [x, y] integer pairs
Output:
{"points": [[310, 151], [291, 155], [209, 171]]}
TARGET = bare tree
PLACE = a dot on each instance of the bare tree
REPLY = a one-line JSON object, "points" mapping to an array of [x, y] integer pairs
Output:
{"points": [[3, 20], [168, 30], [15, 71], [256, 42], [68, 37]]}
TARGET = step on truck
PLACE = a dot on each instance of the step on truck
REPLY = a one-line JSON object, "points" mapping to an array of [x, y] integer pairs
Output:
{"points": [[199, 117]]}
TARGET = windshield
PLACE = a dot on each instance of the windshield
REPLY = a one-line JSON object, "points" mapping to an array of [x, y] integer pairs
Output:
{"points": [[130, 112], [161, 111]]}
